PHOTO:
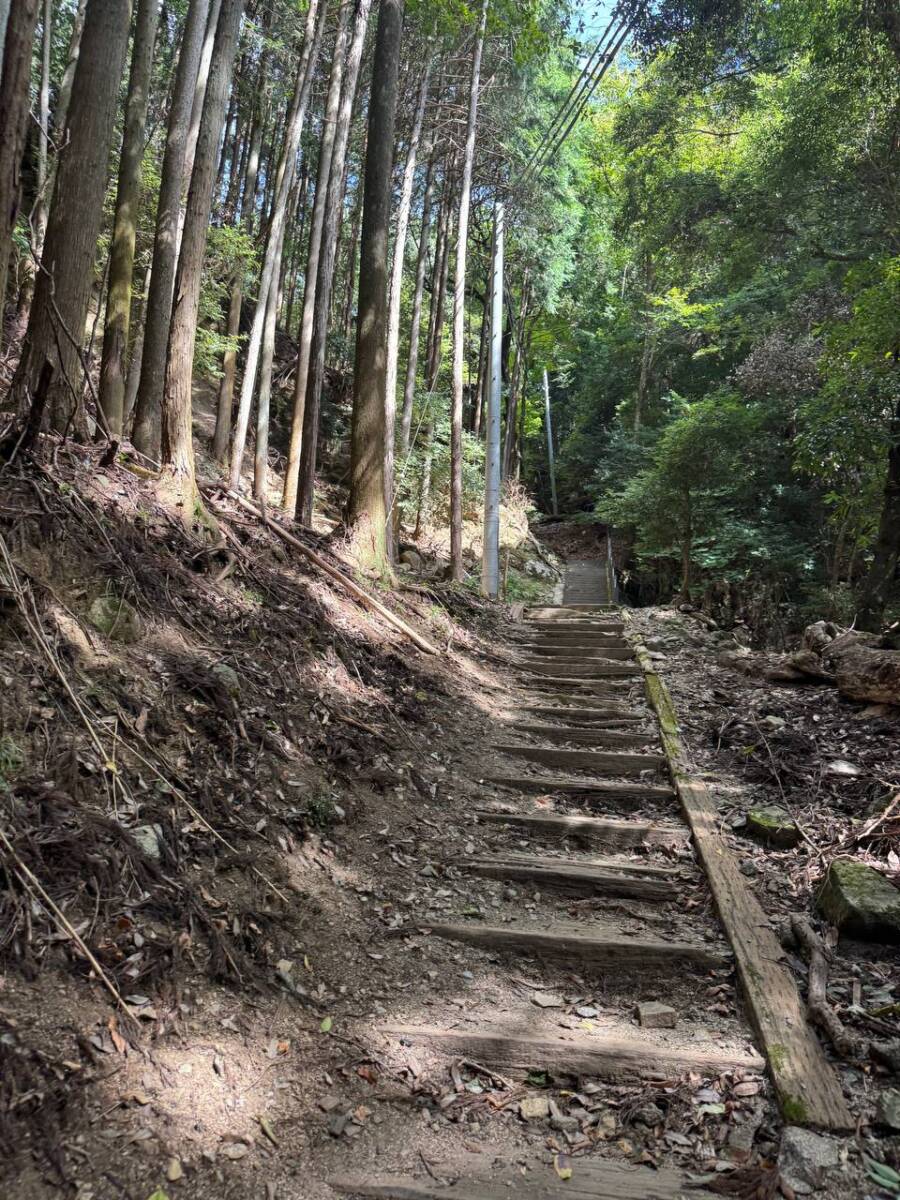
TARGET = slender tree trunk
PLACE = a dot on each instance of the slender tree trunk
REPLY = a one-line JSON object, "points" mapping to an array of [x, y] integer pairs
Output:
{"points": [[225, 398], [481, 381], [395, 294], [459, 311], [56, 325], [882, 574], [137, 353], [352, 255], [267, 355], [148, 407], [305, 332], [510, 449], [121, 264], [490, 559], [439, 279], [271, 270], [366, 515], [297, 246], [199, 98], [334, 201], [412, 362], [551, 460], [178, 481], [42, 208], [687, 547], [15, 65]]}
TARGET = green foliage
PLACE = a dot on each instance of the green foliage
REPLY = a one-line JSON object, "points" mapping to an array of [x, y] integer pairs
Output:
{"points": [[229, 250]]}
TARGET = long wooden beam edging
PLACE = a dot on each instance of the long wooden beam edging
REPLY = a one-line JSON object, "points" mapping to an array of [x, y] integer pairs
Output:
{"points": [[808, 1088]]}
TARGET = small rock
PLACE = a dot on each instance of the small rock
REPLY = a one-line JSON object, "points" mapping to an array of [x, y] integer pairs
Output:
{"points": [[534, 1108], [654, 1015], [774, 826], [804, 1158], [888, 1110], [115, 619], [411, 558], [174, 1171], [860, 902], [547, 1000], [840, 766], [150, 840], [650, 1115], [587, 1011], [227, 677], [771, 721]]}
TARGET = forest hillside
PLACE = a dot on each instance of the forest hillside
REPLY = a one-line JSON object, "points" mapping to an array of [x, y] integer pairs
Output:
{"points": [[449, 599]]}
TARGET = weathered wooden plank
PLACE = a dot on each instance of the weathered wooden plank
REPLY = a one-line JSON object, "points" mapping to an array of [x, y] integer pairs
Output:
{"points": [[607, 715], [575, 879], [488, 1179], [594, 669], [561, 611], [808, 1087], [579, 653], [570, 943], [588, 737], [639, 793], [599, 761], [608, 830], [611, 1056], [623, 866]]}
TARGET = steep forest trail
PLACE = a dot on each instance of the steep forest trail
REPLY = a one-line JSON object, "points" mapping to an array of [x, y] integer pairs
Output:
{"points": [[609, 900]]}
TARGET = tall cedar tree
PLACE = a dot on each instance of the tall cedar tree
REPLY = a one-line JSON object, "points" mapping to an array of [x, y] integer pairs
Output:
{"points": [[177, 449], [366, 514], [56, 323]]}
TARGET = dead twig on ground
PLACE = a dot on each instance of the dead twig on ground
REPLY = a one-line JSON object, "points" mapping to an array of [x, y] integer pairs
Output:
{"points": [[820, 1011]]}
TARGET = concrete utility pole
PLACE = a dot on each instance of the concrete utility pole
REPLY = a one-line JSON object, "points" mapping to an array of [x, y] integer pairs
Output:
{"points": [[550, 459], [490, 566]]}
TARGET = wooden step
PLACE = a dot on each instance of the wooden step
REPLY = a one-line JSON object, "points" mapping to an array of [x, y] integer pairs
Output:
{"points": [[573, 878], [548, 640], [566, 629], [592, 1179], [561, 611], [587, 830], [599, 761], [623, 866], [619, 789], [566, 670], [599, 948], [575, 714], [614, 1056], [580, 653], [588, 737], [575, 690]]}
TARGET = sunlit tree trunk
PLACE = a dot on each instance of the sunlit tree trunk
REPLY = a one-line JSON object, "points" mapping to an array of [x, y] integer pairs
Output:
{"points": [[305, 332], [177, 446], [148, 406], [879, 582], [412, 362], [366, 515], [121, 264], [334, 201]]}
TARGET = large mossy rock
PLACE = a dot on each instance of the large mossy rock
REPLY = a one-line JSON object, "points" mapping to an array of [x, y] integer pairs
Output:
{"points": [[773, 826], [115, 619], [860, 902]]}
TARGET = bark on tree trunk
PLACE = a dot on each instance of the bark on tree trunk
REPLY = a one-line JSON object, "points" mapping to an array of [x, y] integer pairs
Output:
{"points": [[439, 286], [886, 551], [178, 481], [42, 208], [304, 334], [459, 311], [366, 512], [271, 269], [121, 264], [321, 308], [137, 353], [148, 407], [396, 285], [412, 362], [56, 324], [15, 64]]}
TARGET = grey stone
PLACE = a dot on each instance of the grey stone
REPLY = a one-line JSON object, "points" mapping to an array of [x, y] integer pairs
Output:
{"points": [[773, 825], [860, 902], [805, 1158], [150, 839], [534, 1108], [653, 1015], [888, 1111], [227, 677], [411, 558], [650, 1115], [115, 619]]}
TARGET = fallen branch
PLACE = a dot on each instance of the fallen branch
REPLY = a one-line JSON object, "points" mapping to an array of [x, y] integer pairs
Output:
{"points": [[820, 1011], [354, 589]]}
